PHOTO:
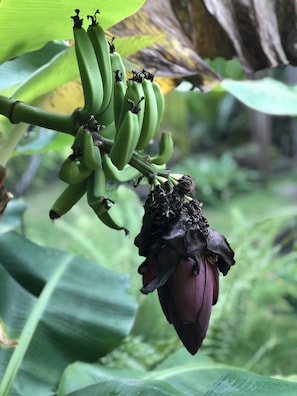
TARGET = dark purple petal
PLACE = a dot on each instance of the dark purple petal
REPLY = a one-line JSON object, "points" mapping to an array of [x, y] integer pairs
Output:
{"points": [[202, 321], [157, 271], [187, 290], [218, 244], [187, 299]]}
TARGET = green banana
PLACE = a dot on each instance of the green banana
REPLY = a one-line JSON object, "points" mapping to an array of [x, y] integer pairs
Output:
{"points": [[69, 197], [150, 117], [107, 117], [107, 219], [96, 190], [78, 142], [160, 103], [108, 131], [91, 155], [134, 93], [117, 64], [84, 149], [114, 174], [89, 70], [101, 48], [96, 193], [73, 171], [126, 139], [166, 147]]}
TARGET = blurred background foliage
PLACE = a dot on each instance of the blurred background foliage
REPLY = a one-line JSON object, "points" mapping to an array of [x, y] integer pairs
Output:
{"points": [[252, 202]]}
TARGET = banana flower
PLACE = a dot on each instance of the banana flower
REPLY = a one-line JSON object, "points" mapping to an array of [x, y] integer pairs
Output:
{"points": [[183, 259]]}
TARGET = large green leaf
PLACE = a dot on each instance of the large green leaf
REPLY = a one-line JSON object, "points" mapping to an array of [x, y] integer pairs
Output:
{"points": [[59, 70], [59, 308], [181, 374], [51, 141], [29, 24], [129, 387], [266, 95], [19, 69], [13, 215]]}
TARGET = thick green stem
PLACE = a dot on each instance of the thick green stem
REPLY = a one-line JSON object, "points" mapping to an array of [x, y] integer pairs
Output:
{"points": [[139, 162], [17, 112], [148, 169]]}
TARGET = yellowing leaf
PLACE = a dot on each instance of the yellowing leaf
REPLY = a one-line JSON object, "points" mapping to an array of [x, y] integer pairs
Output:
{"points": [[65, 99]]}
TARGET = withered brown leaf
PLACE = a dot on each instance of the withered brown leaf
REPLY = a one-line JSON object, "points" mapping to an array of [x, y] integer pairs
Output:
{"points": [[262, 34]]}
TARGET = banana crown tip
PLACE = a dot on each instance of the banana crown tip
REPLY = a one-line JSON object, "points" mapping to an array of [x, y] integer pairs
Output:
{"points": [[126, 231], [53, 215], [118, 75], [148, 75], [137, 76], [77, 21], [93, 18], [112, 48], [134, 107]]}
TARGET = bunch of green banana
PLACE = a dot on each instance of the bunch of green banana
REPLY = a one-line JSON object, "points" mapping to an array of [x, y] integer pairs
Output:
{"points": [[125, 113], [143, 97], [83, 172]]}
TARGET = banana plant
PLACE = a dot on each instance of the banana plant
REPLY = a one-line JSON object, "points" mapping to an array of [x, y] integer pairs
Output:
{"points": [[61, 308]]}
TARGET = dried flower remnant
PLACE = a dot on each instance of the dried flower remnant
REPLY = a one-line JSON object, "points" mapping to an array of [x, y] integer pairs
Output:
{"points": [[183, 259]]}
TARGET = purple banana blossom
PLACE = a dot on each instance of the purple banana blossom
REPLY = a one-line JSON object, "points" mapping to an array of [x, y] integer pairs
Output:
{"points": [[183, 259]]}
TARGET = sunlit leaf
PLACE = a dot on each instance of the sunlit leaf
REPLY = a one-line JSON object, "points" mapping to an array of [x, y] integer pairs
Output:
{"points": [[266, 95], [19, 69], [38, 22], [59, 70]]}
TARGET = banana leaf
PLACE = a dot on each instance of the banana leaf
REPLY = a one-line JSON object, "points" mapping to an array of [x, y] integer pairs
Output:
{"points": [[180, 374], [29, 24], [55, 308]]}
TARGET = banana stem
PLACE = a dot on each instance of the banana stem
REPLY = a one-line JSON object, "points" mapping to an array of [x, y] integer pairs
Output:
{"points": [[148, 170], [138, 162], [17, 112]]}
